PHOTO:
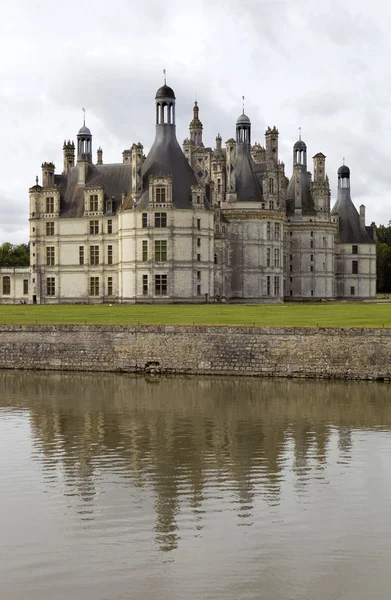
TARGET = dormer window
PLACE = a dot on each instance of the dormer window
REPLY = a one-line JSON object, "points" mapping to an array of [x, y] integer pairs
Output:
{"points": [[94, 203], [109, 206], [160, 195]]}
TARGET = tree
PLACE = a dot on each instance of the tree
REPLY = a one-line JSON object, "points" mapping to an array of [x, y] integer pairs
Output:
{"points": [[14, 255]]}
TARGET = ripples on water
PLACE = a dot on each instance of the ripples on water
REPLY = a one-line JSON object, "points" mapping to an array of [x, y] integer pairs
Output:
{"points": [[117, 487]]}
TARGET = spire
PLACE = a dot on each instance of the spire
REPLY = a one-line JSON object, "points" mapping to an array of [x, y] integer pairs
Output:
{"points": [[299, 134], [164, 76], [243, 105], [84, 117], [195, 126]]}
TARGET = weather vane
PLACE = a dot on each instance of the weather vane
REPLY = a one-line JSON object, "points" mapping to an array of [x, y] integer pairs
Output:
{"points": [[164, 74], [84, 116], [243, 104], [300, 134]]}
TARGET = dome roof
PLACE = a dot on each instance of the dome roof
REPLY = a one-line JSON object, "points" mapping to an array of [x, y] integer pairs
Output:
{"points": [[300, 145], [243, 120], [165, 92], [84, 131], [344, 171]]}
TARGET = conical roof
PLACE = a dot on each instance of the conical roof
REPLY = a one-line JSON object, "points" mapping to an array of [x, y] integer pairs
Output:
{"points": [[351, 231]]}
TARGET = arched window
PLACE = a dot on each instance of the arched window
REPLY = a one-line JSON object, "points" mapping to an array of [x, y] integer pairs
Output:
{"points": [[6, 285]]}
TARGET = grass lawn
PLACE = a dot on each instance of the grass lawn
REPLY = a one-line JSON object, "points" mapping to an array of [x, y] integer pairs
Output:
{"points": [[339, 314]]}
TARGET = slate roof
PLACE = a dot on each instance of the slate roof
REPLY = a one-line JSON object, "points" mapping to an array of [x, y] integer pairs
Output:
{"points": [[166, 158], [350, 229], [247, 184], [307, 203], [116, 178]]}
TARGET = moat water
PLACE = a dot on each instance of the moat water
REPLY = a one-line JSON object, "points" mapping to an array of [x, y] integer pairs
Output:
{"points": [[115, 487]]}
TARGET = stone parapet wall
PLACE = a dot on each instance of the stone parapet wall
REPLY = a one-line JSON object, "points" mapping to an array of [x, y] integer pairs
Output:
{"points": [[269, 352]]}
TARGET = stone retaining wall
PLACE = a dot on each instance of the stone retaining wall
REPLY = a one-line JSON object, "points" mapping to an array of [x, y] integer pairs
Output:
{"points": [[270, 352]]}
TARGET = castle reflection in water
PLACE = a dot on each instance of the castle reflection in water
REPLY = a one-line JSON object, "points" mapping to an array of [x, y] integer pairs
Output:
{"points": [[181, 441]]}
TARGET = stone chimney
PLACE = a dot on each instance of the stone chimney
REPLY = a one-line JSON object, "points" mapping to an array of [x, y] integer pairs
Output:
{"points": [[362, 215], [99, 154]]}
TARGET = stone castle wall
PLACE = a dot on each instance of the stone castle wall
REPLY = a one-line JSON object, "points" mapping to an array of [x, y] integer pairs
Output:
{"points": [[270, 352]]}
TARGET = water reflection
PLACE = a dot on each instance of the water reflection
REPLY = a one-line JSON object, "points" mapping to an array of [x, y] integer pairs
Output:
{"points": [[191, 442]]}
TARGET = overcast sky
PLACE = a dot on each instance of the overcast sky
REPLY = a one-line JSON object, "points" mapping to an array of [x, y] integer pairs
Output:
{"points": [[323, 66]]}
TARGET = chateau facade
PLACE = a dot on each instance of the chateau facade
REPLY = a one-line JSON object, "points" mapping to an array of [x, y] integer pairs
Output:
{"points": [[192, 225]]}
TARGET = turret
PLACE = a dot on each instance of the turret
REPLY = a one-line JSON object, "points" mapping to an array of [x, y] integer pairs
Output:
{"points": [[137, 161], [99, 156], [243, 130], [48, 169], [84, 153], [271, 137], [165, 105], [300, 154], [196, 127], [69, 155]]}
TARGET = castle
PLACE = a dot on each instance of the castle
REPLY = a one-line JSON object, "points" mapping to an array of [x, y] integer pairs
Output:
{"points": [[192, 225]]}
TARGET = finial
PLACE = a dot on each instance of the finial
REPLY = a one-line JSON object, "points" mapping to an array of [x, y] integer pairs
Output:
{"points": [[343, 160], [164, 75], [300, 134], [243, 104], [36, 180], [195, 101], [84, 116]]}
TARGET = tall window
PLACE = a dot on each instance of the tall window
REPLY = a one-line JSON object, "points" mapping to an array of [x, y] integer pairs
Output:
{"points": [[109, 286], [50, 286], [355, 267], [110, 255], [94, 227], [25, 286], [271, 185], [160, 195], [276, 285], [268, 230], [93, 203], [198, 242], [276, 257], [160, 219], [160, 250], [50, 256], [161, 285], [6, 285], [198, 289], [145, 250], [94, 255], [50, 205], [268, 287], [49, 228], [354, 249], [145, 285], [94, 286], [81, 255], [352, 291], [277, 231], [268, 257], [199, 224], [145, 220], [198, 275], [110, 226]]}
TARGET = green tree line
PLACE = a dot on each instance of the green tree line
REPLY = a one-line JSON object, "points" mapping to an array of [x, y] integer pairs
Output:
{"points": [[383, 258], [14, 255]]}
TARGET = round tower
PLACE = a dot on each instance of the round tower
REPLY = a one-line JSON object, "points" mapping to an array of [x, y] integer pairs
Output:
{"points": [[344, 177], [165, 105], [300, 154], [84, 144], [243, 130]]}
